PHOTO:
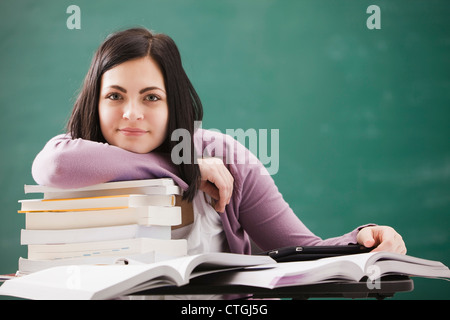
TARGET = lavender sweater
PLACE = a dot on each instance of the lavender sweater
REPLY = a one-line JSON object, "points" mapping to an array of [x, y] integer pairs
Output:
{"points": [[257, 210]]}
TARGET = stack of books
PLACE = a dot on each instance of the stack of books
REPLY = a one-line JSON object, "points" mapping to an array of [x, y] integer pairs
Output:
{"points": [[101, 224]]}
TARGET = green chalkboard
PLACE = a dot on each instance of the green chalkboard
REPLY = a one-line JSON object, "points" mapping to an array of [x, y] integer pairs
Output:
{"points": [[361, 102]]}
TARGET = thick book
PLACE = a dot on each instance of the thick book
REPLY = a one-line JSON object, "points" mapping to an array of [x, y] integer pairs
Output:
{"points": [[96, 203], [347, 268], [28, 266], [131, 231], [111, 281], [164, 186], [150, 215], [175, 248]]}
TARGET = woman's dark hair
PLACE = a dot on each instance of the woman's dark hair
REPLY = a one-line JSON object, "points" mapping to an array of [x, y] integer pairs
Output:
{"points": [[184, 104]]}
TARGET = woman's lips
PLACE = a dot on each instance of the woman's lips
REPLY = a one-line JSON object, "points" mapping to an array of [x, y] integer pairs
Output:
{"points": [[132, 131]]}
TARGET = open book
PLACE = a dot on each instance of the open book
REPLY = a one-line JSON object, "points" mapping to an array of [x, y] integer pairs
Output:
{"points": [[111, 281], [356, 267]]}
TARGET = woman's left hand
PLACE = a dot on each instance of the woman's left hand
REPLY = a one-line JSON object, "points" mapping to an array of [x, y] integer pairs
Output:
{"points": [[216, 181], [384, 238]]}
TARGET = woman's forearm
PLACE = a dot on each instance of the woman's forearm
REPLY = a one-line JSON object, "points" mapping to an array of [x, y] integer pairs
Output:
{"points": [[72, 163]]}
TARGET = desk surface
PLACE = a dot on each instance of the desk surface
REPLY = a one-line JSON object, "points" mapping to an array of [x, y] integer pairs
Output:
{"points": [[388, 286]]}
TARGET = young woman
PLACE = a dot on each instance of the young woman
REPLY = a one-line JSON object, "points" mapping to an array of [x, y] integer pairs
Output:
{"points": [[135, 96]]}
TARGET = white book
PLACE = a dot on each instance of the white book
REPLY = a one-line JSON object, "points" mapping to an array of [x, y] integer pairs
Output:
{"points": [[147, 186], [150, 215], [174, 248], [96, 203], [157, 190], [132, 231], [28, 266], [355, 267], [85, 282]]}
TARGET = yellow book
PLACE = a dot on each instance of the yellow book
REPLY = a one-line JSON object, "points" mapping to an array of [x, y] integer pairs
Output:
{"points": [[96, 203]]}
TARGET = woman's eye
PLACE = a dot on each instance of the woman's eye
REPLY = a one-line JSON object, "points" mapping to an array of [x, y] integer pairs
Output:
{"points": [[114, 96], [151, 97]]}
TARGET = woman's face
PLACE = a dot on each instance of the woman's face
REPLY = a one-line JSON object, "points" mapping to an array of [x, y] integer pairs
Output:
{"points": [[133, 106]]}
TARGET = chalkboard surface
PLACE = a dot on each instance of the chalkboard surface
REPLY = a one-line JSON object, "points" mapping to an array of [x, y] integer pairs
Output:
{"points": [[360, 99]]}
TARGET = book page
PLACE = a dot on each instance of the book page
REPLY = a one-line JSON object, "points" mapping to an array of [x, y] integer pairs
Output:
{"points": [[81, 282]]}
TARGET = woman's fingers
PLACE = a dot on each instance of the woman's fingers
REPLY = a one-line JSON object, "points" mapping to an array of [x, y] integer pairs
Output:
{"points": [[217, 181]]}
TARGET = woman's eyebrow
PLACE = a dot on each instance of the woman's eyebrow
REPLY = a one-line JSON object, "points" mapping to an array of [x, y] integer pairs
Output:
{"points": [[149, 89], [118, 88], [140, 92]]}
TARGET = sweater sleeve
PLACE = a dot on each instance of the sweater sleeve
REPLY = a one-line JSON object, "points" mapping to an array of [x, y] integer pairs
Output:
{"points": [[267, 217], [74, 163]]}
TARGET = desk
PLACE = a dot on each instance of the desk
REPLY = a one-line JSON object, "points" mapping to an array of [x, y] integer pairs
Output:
{"points": [[389, 285]]}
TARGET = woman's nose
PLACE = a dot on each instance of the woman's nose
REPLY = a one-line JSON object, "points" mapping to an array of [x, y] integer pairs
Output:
{"points": [[133, 112]]}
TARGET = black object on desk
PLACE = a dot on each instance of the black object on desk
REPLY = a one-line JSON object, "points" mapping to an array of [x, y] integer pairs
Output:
{"points": [[304, 253]]}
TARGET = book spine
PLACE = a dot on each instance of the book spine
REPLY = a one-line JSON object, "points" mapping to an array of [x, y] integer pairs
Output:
{"points": [[159, 190], [104, 186], [145, 216], [173, 248], [28, 237], [96, 203]]}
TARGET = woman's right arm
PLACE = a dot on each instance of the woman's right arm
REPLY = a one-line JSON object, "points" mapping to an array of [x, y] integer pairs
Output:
{"points": [[74, 163]]}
